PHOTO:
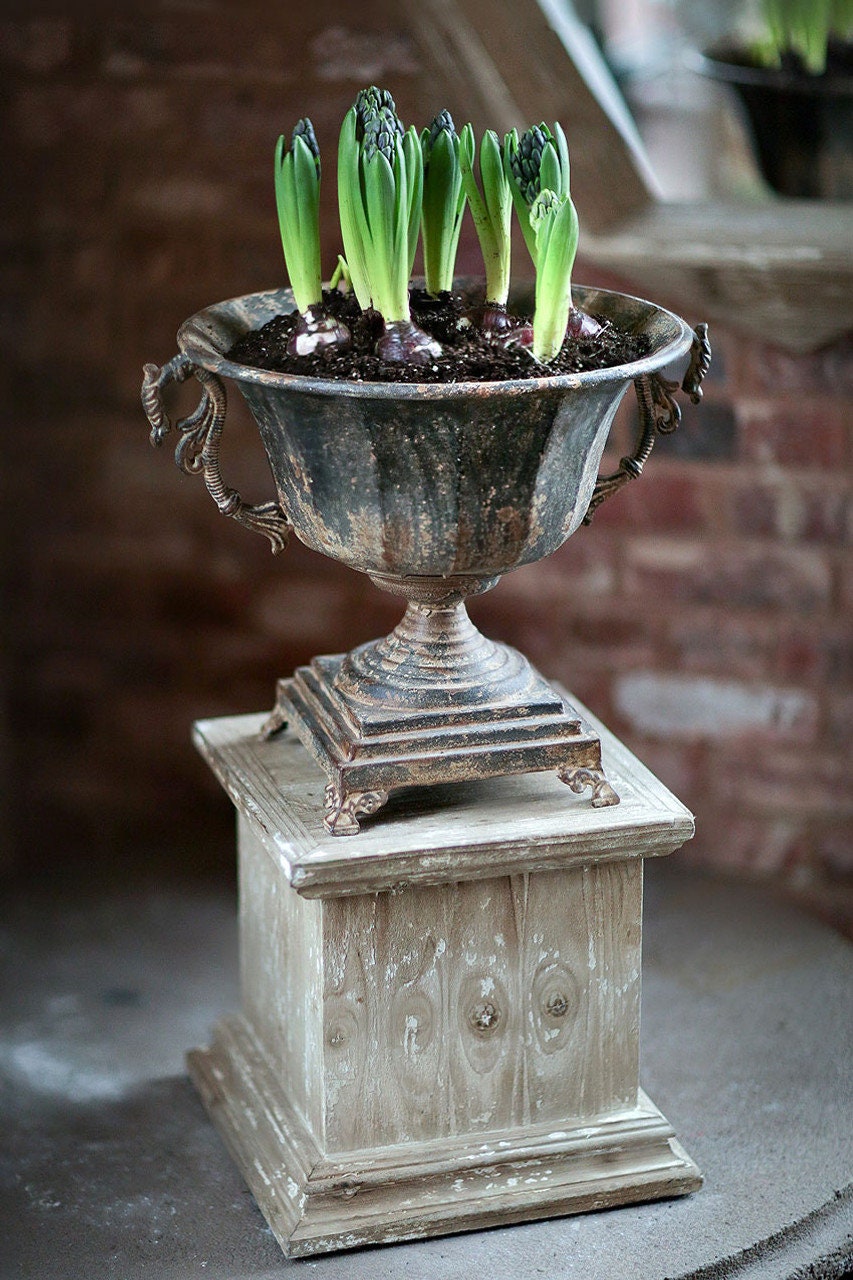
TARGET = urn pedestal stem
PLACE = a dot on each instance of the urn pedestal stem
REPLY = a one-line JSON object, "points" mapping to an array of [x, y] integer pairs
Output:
{"points": [[435, 701]]}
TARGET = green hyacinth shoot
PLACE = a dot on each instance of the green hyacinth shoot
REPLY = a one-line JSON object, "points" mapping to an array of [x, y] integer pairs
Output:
{"points": [[380, 183], [803, 28], [490, 203], [443, 202], [537, 161], [554, 223], [394, 185], [297, 197]]}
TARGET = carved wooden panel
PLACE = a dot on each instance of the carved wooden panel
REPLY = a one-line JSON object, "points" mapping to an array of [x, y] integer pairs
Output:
{"points": [[480, 1006]]}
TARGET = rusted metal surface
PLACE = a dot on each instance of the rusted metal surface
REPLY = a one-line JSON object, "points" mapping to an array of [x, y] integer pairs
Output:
{"points": [[199, 438], [433, 702], [434, 490]]}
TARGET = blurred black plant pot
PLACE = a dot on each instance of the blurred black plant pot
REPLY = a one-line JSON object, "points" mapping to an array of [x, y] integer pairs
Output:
{"points": [[802, 124]]}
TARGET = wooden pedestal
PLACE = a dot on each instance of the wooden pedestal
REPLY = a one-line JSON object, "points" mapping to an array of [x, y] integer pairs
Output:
{"points": [[440, 1015]]}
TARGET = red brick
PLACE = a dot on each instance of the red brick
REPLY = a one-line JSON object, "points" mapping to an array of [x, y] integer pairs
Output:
{"points": [[833, 850], [661, 499], [796, 433], [750, 845], [680, 766], [793, 509], [586, 564], [326, 624], [137, 607], [784, 781], [729, 644], [663, 705], [727, 574], [828, 371], [564, 640], [839, 719], [40, 46], [845, 587], [707, 433], [814, 653]]}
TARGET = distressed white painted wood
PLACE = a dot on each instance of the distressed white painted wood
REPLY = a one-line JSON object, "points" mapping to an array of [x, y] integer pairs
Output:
{"points": [[440, 1022], [433, 835]]}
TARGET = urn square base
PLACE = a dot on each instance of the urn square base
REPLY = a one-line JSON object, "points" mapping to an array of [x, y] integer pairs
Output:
{"points": [[367, 751], [440, 1015]]}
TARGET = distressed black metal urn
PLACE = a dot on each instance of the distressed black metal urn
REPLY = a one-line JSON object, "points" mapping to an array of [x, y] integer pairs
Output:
{"points": [[435, 491]]}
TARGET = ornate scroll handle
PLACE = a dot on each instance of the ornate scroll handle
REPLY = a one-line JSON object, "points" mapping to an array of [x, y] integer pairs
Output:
{"points": [[198, 445], [659, 413]]}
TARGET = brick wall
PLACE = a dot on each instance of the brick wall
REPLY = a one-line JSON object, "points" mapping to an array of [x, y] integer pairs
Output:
{"points": [[704, 615]]}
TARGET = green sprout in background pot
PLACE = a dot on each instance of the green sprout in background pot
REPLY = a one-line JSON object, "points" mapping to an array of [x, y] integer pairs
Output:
{"points": [[800, 32], [535, 163], [297, 197], [490, 202], [443, 203], [380, 184]]}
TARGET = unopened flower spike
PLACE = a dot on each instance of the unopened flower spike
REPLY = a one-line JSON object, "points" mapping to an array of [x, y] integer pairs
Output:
{"points": [[297, 197], [538, 162], [380, 184], [443, 202]]}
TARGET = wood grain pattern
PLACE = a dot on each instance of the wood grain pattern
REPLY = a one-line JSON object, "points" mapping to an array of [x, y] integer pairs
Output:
{"points": [[430, 835], [281, 973], [484, 1005]]}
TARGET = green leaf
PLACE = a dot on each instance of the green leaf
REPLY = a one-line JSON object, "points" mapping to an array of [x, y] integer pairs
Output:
{"points": [[354, 229], [341, 275], [490, 208], [495, 185], [383, 219], [414, 166], [563, 152], [498, 201], [379, 195], [555, 224], [297, 205], [443, 202], [477, 205], [401, 263], [550, 177], [307, 192]]}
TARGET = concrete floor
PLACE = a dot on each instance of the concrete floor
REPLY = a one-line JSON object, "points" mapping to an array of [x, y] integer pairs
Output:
{"points": [[110, 1167]]}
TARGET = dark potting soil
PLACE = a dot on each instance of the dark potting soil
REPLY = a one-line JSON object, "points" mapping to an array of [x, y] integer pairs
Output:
{"points": [[469, 355]]}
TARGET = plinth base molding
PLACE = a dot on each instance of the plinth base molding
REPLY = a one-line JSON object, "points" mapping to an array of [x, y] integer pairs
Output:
{"points": [[316, 1203]]}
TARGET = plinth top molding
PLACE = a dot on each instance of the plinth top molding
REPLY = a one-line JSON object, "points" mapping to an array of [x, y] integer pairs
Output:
{"points": [[438, 834]]}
